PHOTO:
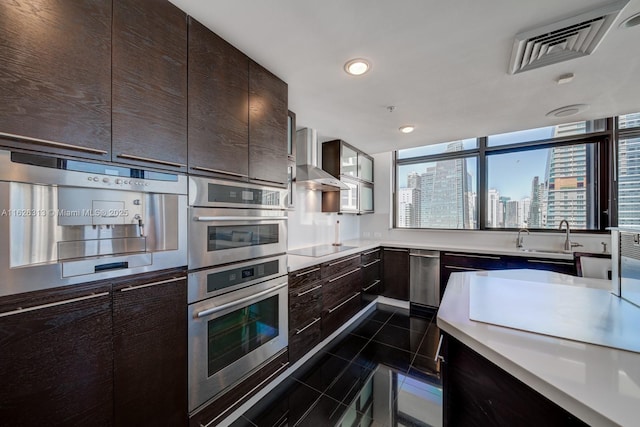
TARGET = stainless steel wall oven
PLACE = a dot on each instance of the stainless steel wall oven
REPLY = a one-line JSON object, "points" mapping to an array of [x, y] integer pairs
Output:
{"points": [[237, 284], [67, 221]]}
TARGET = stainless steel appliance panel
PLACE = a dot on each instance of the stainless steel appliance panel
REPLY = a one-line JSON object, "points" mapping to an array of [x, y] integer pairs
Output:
{"points": [[233, 334], [221, 235], [424, 277], [207, 192]]}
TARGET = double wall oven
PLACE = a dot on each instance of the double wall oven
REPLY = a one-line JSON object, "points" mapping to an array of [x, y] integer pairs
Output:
{"points": [[237, 285]]}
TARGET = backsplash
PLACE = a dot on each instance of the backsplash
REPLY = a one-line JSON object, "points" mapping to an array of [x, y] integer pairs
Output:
{"points": [[309, 226]]}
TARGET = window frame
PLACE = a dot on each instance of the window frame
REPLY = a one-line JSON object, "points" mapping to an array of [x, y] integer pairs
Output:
{"points": [[606, 142]]}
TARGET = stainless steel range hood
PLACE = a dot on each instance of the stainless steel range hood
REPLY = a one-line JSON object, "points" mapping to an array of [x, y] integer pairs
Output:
{"points": [[308, 174]]}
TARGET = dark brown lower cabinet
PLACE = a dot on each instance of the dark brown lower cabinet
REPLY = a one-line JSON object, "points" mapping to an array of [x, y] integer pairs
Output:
{"points": [[395, 273], [56, 357], [479, 393], [150, 351]]}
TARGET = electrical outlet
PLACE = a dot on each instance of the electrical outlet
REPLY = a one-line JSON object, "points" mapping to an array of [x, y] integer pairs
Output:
{"points": [[366, 234], [377, 234]]}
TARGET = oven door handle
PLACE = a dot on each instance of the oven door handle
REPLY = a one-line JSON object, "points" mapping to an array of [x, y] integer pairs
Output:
{"points": [[238, 218], [241, 301]]}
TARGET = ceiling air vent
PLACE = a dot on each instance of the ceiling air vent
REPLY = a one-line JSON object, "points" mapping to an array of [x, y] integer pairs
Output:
{"points": [[563, 40]]}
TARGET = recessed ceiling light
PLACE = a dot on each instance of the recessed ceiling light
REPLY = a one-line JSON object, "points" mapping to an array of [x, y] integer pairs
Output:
{"points": [[407, 128], [567, 110], [631, 21], [357, 67]]}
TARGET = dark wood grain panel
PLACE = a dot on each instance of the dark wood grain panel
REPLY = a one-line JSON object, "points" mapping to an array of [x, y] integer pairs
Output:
{"points": [[150, 351], [149, 82], [304, 276], [479, 393], [268, 106], [370, 275], [217, 410], [395, 274], [340, 265], [218, 130], [337, 289], [338, 317], [305, 304], [301, 342], [370, 255], [56, 74], [56, 361]]}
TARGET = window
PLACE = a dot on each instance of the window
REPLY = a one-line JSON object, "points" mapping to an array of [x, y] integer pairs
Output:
{"points": [[527, 179], [629, 170]]}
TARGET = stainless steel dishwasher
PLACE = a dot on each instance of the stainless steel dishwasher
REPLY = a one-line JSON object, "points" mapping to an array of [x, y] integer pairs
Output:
{"points": [[424, 279]]}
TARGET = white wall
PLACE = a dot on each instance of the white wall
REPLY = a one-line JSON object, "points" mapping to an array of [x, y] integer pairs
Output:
{"points": [[377, 226], [309, 226]]}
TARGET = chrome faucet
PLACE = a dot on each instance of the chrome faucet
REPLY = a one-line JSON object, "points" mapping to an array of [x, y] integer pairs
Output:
{"points": [[519, 239], [567, 242]]}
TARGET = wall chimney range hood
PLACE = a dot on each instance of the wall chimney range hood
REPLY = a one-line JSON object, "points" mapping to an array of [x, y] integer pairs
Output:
{"points": [[308, 174]]}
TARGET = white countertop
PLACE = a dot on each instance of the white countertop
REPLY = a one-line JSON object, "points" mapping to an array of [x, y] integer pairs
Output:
{"points": [[297, 262], [598, 384]]}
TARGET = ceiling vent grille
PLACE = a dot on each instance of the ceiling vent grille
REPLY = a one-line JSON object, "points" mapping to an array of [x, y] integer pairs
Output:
{"points": [[563, 40]]}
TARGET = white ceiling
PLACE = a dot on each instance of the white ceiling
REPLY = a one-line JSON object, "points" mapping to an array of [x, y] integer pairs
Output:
{"points": [[442, 64]]}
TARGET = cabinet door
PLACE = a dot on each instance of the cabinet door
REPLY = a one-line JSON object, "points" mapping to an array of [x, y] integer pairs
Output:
{"points": [[149, 83], [56, 358], [348, 161], [395, 273], [218, 129], [365, 198], [267, 126], [349, 198], [555, 265], [150, 347], [365, 167], [56, 76]]}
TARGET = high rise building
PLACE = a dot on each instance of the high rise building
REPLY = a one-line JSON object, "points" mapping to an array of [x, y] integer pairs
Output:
{"points": [[409, 207], [535, 208], [629, 181], [493, 208], [524, 206]]}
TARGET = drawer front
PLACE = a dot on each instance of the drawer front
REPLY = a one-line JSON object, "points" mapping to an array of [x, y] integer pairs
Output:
{"points": [[370, 255], [339, 266], [337, 288], [304, 277], [305, 303], [472, 261], [335, 316], [370, 272], [304, 338]]}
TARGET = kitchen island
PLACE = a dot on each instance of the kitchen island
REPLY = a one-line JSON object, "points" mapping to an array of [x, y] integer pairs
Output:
{"points": [[598, 385]]}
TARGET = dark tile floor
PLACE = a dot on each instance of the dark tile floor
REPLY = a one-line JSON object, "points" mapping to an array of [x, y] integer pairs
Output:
{"points": [[381, 373]]}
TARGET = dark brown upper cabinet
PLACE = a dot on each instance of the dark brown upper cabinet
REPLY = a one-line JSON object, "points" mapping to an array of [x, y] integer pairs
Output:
{"points": [[268, 101], [149, 84], [218, 106], [56, 76]]}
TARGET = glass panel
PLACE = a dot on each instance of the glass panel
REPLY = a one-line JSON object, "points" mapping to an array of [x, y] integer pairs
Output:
{"points": [[245, 196], [629, 181], [540, 134], [365, 168], [366, 198], [349, 161], [239, 333], [629, 121], [236, 276], [445, 147], [290, 186], [289, 135], [349, 198], [239, 236], [539, 188], [440, 194]]}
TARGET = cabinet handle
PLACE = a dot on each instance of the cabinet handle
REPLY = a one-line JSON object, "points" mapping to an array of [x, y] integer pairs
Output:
{"points": [[371, 285], [435, 359], [473, 256], [52, 143], [247, 394], [396, 250], [53, 304], [150, 160], [331, 310], [133, 288], [315, 320], [308, 272], [371, 263], [309, 290], [268, 181], [538, 261], [240, 301], [344, 275], [371, 252], [455, 267], [199, 168], [344, 260]]}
